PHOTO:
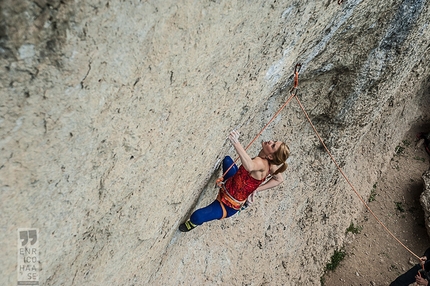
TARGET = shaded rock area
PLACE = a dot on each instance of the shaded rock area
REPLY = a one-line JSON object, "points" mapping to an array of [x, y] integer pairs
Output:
{"points": [[425, 199], [114, 117]]}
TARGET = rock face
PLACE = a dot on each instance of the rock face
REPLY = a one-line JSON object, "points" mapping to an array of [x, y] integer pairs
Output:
{"points": [[425, 199], [114, 117]]}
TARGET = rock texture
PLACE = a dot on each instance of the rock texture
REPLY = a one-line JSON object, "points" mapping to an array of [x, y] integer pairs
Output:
{"points": [[114, 117], [425, 200]]}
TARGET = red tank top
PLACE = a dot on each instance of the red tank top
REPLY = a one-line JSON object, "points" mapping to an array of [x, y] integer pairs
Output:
{"points": [[242, 184]]}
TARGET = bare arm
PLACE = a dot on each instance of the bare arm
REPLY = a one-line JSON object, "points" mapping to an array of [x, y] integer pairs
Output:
{"points": [[249, 164], [273, 182]]}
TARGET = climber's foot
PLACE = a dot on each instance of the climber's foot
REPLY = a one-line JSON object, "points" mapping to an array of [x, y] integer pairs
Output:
{"points": [[187, 226]]}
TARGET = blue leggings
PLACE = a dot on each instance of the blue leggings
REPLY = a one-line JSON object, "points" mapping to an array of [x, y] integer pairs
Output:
{"points": [[210, 212], [214, 210]]}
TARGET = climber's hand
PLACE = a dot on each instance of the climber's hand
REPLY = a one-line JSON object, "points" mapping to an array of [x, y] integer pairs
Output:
{"points": [[234, 137]]}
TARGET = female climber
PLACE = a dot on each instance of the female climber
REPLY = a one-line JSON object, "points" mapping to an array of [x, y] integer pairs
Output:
{"points": [[260, 173]]}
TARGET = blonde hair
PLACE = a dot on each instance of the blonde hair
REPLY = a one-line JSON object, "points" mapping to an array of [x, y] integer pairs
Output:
{"points": [[279, 157]]}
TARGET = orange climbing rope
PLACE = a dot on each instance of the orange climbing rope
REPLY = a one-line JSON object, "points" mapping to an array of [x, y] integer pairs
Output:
{"points": [[293, 94], [349, 182]]}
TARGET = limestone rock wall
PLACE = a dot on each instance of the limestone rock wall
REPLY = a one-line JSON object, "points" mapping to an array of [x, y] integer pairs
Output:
{"points": [[114, 117], [424, 199]]}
